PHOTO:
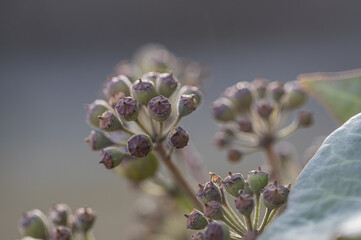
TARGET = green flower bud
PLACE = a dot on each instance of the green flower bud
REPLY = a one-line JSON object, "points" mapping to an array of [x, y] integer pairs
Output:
{"points": [[250, 235], [233, 183], [196, 220], [178, 138], [213, 210], [186, 105], [276, 91], [234, 155], [217, 231], [305, 119], [111, 157], [257, 180], [264, 108], [59, 214], [138, 169], [192, 90], [244, 204], [143, 91], [198, 236], [84, 219], [109, 122], [34, 224], [245, 125], [260, 86], [294, 98], [117, 84], [223, 110], [98, 140], [127, 109], [241, 96], [166, 84], [139, 145], [150, 76], [159, 108], [209, 192], [274, 195], [96, 109], [247, 189], [61, 233]]}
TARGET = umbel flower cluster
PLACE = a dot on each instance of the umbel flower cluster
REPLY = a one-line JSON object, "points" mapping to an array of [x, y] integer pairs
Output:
{"points": [[61, 224], [254, 116], [218, 218]]}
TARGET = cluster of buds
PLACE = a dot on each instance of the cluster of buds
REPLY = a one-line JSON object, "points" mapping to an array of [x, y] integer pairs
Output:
{"points": [[255, 115], [61, 224], [220, 221], [137, 118]]}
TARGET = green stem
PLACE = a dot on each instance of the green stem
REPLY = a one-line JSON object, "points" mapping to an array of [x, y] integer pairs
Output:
{"points": [[248, 221], [233, 226], [256, 215], [160, 130], [234, 215], [142, 127], [274, 162], [271, 216], [127, 130], [265, 219]]}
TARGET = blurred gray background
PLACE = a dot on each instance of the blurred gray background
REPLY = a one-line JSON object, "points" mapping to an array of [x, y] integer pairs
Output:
{"points": [[55, 55]]}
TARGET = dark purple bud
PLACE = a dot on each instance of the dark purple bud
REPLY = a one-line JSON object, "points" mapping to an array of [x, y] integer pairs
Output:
{"points": [[166, 84], [186, 105], [59, 214], [111, 157], [84, 219], [61, 233], [209, 192], [159, 108], [140, 145], [223, 110], [241, 96], [109, 122], [178, 137], [245, 125], [244, 204], [217, 231], [127, 109], [274, 195], [264, 108], [213, 210], [196, 220]]}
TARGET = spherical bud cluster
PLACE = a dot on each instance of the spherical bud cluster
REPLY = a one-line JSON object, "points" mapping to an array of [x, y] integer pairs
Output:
{"points": [[234, 155], [61, 233], [159, 108], [186, 105], [274, 195], [257, 180], [217, 231], [233, 183], [84, 219], [34, 224], [178, 138], [59, 214], [139, 145], [127, 109], [244, 204], [196, 220], [192, 90], [143, 91], [96, 109], [117, 84], [111, 157], [98, 140], [223, 110], [108, 122], [305, 119], [209, 192], [213, 210], [166, 84]]}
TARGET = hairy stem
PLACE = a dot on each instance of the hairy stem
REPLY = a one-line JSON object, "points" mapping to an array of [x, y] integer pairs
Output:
{"points": [[177, 175], [274, 162]]}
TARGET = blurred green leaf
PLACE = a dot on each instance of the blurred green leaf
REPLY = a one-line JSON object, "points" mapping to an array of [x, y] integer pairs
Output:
{"points": [[339, 92], [328, 191]]}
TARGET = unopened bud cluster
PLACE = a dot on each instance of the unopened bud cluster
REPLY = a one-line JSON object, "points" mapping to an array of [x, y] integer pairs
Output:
{"points": [[256, 114], [61, 223], [249, 194]]}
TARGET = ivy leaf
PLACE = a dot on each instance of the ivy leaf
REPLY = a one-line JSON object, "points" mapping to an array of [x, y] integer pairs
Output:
{"points": [[328, 191], [339, 92]]}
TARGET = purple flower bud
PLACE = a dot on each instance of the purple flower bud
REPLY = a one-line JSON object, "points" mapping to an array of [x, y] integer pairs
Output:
{"points": [[196, 220], [274, 195], [59, 214], [111, 157], [98, 140], [178, 137], [264, 108], [217, 231], [143, 91], [213, 210], [127, 109], [276, 91], [192, 90], [96, 109], [117, 84], [244, 204], [198, 236], [233, 183], [109, 122], [61, 233], [34, 224], [223, 110], [84, 219], [209, 192], [186, 105], [159, 108], [166, 84], [140, 145], [245, 125]]}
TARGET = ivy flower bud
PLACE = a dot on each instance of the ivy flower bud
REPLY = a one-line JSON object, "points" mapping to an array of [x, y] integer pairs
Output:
{"points": [[233, 183], [260, 85], [209, 192], [84, 219], [59, 214], [159, 108], [274, 195], [234, 155], [127, 109], [241, 96], [250, 235], [186, 105], [305, 119], [139, 145], [222, 139], [295, 97], [198, 236], [61, 233], [264, 108], [150, 76], [192, 90], [247, 189], [213, 210], [217, 231], [109, 122], [257, 180], [244, 204], [223, 110], [178, 137], [276, 91], [138, 169], [245, 125], [96, 109], [166, 84], [143, 91], [196, 220], [111, 157], [98, 140], [117, 84], [34, 224]]}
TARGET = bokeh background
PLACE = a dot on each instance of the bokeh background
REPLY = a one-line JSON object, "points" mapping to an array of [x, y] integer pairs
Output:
{"points": [[55, 55]]}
